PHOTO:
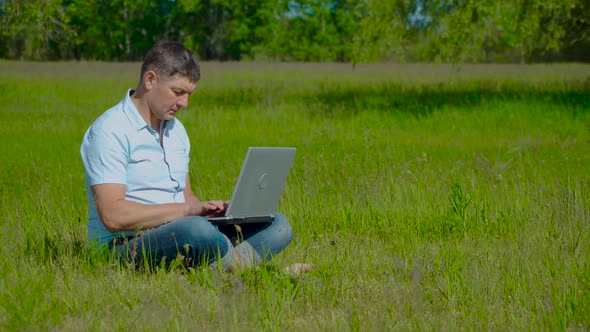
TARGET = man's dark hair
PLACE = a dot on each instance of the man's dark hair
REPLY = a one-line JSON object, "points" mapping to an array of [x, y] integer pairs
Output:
{"points": [[170, 59]]}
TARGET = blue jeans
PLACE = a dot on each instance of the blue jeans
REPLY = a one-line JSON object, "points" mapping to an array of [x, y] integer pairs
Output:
{"points": [[198, 241]]}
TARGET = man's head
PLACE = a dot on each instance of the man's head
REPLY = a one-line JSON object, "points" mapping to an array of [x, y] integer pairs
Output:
{"points": [[171, 60], [169, 74]]}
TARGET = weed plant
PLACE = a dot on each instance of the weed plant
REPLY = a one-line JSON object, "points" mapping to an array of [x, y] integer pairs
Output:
{"points": [[427, 197]]}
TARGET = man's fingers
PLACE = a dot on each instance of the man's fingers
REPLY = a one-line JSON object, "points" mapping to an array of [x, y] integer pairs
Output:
{"points": [[218, 205], [207, 206], [213, 206]]}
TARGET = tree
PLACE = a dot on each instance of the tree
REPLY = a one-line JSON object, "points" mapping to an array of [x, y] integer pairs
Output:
{"points": [[308, 31], [220, 29], [33, 29], [119, 29], [299, 30], [469, 30]]}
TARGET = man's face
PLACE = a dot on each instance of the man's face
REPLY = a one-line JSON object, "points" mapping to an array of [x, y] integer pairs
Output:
{"points": [[168, 96]]}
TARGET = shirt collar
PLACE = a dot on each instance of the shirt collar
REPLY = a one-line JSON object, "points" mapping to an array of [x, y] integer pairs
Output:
{"points": [[132, 113]]}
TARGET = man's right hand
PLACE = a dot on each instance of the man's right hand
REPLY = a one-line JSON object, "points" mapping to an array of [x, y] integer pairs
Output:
{"points": [[206, 208]]}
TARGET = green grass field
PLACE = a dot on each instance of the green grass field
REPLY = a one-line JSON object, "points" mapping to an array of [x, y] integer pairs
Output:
{"points": [[432, 197]]}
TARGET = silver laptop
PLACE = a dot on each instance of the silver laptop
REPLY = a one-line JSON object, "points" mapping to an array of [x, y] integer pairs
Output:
{"points": [[259, 187]]}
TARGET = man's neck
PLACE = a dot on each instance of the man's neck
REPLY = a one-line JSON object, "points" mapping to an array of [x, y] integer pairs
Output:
{"points": [[138, 99]]}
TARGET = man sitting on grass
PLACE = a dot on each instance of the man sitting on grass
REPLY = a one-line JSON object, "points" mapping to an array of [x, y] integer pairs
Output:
{"points": [[136, 158]]}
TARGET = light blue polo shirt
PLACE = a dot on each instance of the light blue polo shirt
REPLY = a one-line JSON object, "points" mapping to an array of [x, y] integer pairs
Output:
{"points": [[120, 147]]}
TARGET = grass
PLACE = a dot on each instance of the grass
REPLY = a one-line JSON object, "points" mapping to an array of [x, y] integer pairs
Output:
{"points": [[427, 197]]}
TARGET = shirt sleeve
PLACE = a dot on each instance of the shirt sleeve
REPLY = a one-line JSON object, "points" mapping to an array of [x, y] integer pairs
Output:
{"points": [[183, 137], [105, 157], [187, 144]]}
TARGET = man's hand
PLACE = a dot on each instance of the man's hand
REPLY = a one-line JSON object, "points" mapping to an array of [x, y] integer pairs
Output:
{"points": [[206, 209], [194, 207]]}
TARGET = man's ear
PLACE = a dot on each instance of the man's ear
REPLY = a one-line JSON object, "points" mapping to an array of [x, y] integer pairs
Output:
{"points": [[149, 79]]}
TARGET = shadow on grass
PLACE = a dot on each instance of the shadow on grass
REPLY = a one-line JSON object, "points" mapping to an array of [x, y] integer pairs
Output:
{"points": [[422, 100], [329, 100]]}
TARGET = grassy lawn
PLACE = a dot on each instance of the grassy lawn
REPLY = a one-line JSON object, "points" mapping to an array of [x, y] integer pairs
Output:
{"points": [[427, 197]]}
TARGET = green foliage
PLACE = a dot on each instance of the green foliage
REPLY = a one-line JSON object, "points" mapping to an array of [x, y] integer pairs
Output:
{"points": [[31, 29], [321, 33], [471, 30], [216, 29], [119, 29], [305, 30], [383, 31], [219, 29], [459, 203]]}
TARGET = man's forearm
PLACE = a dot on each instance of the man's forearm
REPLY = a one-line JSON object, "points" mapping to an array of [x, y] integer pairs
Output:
{"points": [[123, 215]]}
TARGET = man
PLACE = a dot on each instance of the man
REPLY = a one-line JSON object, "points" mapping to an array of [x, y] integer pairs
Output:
{"points": [[136, 158]]}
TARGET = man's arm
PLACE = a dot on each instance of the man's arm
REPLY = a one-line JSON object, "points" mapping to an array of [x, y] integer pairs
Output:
{"points": [[189, 196], [118, 214]]}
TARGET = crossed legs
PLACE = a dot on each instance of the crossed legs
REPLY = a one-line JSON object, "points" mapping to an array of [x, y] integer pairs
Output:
{"points": [[198, 241]]}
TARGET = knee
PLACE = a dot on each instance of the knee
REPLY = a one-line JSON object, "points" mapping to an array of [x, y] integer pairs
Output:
{"points": [[282, 229], [273, 238]]}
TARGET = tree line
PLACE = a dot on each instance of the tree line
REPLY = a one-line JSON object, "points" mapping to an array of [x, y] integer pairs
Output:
{"points": [[306, 30]]}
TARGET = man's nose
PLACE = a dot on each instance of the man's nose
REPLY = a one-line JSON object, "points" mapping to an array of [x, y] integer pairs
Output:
{"points": [[182, 101]]}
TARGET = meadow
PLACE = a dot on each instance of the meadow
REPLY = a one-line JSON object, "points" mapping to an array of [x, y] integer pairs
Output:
{"points": [[428, 197]]}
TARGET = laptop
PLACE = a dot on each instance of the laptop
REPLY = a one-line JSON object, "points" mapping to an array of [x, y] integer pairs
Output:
{"points": [[259, 187]]}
